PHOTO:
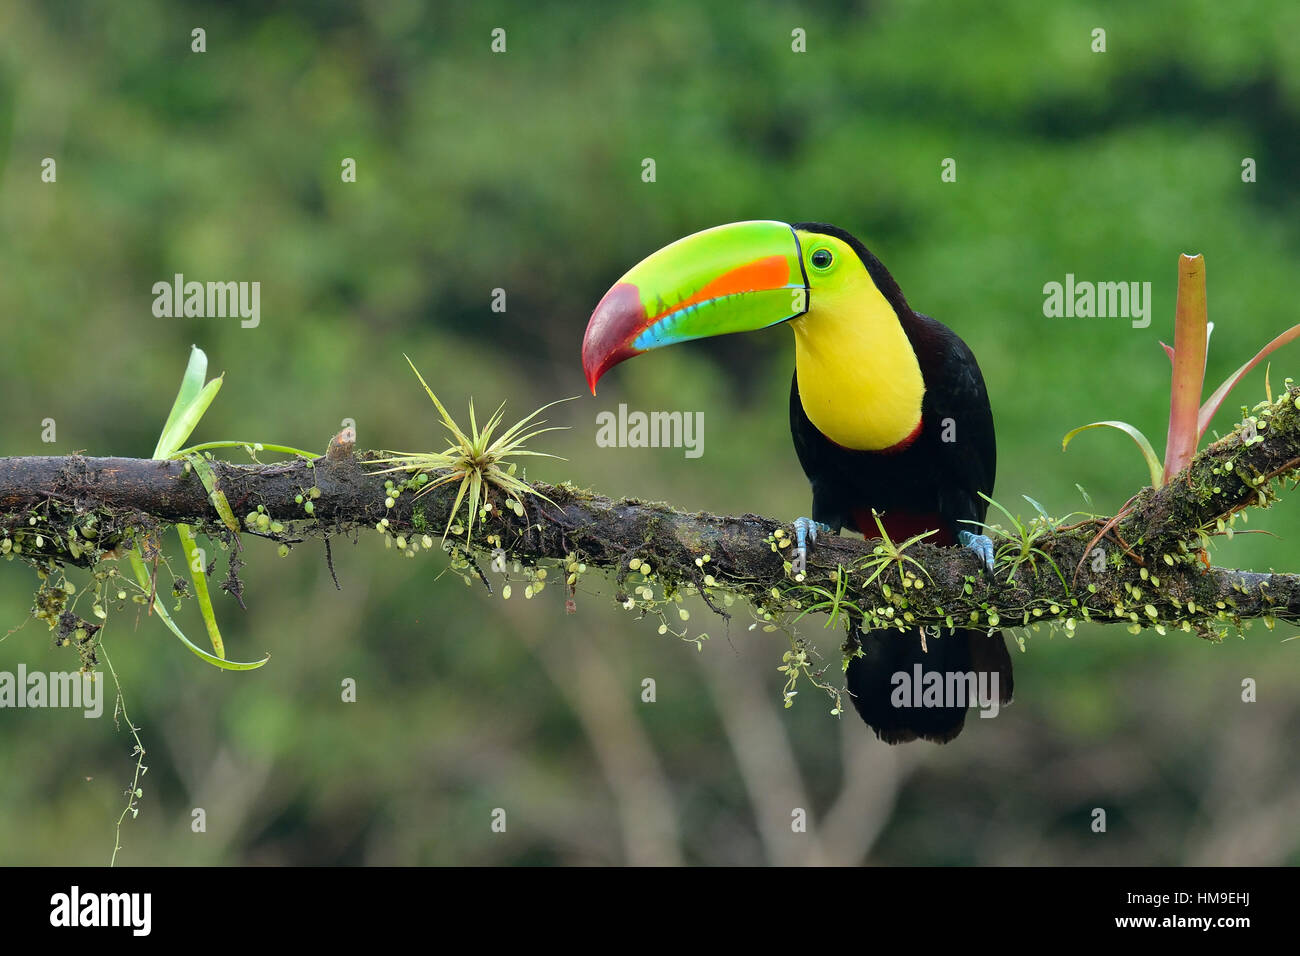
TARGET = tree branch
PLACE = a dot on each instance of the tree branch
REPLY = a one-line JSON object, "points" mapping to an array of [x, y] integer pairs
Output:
{"points": [[1148, 569]]}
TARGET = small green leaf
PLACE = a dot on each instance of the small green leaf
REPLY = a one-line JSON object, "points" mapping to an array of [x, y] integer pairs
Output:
{"points": [[1037, 507], [142, 576], [215, 494], [1154, 466], [261, 446], [177, 431], [191, 384], [191, 549]]}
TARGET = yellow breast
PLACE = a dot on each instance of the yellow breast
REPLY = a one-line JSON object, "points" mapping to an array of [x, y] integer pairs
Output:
{"points": [[859, 380]]}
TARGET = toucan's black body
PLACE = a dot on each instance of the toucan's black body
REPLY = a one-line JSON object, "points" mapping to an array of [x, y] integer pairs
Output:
{"points": [[932, 482]]}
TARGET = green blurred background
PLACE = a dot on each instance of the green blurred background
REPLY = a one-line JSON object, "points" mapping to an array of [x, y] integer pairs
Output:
{"points": [[522, 171]]}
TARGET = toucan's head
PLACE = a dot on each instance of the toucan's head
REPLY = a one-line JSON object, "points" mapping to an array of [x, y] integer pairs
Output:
{"points": [[735, 278]]}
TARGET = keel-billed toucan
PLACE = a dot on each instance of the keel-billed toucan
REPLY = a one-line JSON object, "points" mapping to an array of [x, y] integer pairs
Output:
{"points": [[887, 407]]}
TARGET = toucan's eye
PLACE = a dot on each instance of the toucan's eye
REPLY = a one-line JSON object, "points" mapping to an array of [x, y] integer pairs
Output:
{"points": [[822, 258]]}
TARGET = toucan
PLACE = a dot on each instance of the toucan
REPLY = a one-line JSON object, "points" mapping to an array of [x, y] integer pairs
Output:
{"points": [[890, 418]]}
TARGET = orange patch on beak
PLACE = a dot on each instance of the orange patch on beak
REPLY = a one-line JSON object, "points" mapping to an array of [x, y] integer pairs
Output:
{"points": [[769, 272]]}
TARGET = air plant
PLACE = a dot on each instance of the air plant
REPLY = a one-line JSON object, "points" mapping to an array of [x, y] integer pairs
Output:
{"points": [[1020, 547], [1188, 416], [478, 460]]}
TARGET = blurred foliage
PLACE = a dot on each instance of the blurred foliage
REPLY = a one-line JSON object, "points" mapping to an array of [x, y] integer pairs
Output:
{"points": [[522, 171]]}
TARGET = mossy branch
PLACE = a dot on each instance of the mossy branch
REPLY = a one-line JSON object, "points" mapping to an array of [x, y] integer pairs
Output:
{"points": [[1147, 569]]}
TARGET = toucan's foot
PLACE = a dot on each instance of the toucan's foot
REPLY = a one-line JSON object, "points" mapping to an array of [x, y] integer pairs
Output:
{"points": [[805, 530], [981, 544]]}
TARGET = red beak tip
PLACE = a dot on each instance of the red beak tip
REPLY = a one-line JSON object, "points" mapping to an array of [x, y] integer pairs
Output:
{"points": [[613, 327]]}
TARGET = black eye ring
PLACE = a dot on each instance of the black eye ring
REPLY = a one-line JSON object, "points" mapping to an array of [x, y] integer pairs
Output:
{"points": [[822, 258]]}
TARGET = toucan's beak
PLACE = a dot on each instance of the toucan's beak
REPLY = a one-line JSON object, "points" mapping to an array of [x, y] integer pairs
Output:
{"points": [[734, 278]]}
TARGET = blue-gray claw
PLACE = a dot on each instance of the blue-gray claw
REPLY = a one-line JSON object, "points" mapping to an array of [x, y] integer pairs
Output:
{"points": [[981, 544], [805, 530]]}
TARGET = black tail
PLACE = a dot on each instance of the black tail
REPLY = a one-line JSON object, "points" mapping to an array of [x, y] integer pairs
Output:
{"points": [[887, 702]]}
